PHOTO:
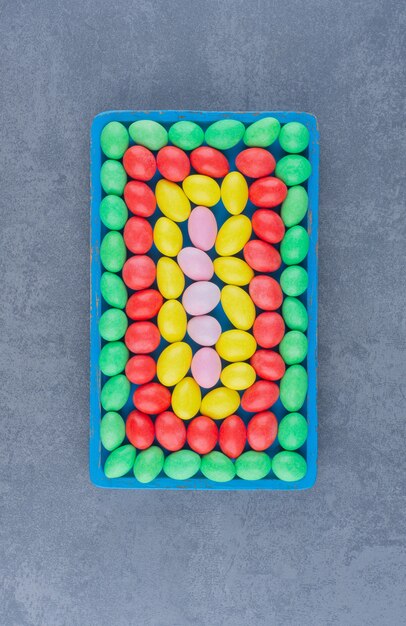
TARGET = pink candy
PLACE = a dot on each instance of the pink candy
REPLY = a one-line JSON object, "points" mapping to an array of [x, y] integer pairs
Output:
{"points": [[202, 227], [206, 367], [200, 298], [195, 264], [204, 330]]}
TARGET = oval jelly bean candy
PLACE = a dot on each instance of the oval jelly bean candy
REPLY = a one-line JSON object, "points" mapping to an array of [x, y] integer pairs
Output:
{"points": [[139, 163], [113, 290], [269, 329], [294, 206], [139, 198], [262, 430], [120, 461], [140, 430], [139, 272], [143, 305], [253, 465], [233, 235], [202, 434], [113, 324], [182, 465], [292, 431], [262, 256], [294, 313], [294, 280], [168, 237], [152, 398], [173, 363], [234, 193], [204, 330], [148, 464], [173, 163], [113, 177], [262, 133], [170, 431], [267, 192], [138, 235], [195, 264], [210, 162], [186, 398], [148, 133], [113, 358], [266, 293], [113, 212], [140, 369], [238, 376], [112, 430], [224, 134], [201, 190], [238, 307], [295, 245], [267, 225], [170, 278], [255, 162], [260, 397], [172, 200], [202, 228], [294, 137], [220, 403], [112, 251], [115, 393], [289, 466], [142, 338], [114, 140], [232, 436], [293, 169], [217, 467], [206, 367], [232, 270], [293, 347], [236, 345], [186, 135], [268, 364], [172, 321], [293, 388], [201, 298]]}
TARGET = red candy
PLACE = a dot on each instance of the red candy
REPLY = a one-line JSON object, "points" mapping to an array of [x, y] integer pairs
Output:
{"points": [[262, 430], [266, 293], [138, 235], [140, 430], [268, 329], [140, 369], [143, 305], [139, 272], [139, 163], [261, 256], [139, 198], [170, 431], [142, 338], [260, 396], [209, 161], [232, 436], [267, 192], [268, 226], [173, 163], [152, 398], [202, 434], [255, 162], [268, 364]]}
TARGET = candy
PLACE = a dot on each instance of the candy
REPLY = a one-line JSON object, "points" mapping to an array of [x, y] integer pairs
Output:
{"points": [[293, 347], [262, 133], [294, 137], [186, 135], [113, 290], [232, 436], [267, 225], [289, 466], [260, 396], [170, 278], [262, 430], [139, 163], [113, 177], [149, 134], [262, 256], [238, 376], [201, 298], [168, 237], [234, 193], [186, 398], [220, 403], [173, 363], [201, 189], [267, 192], [294, 207], [293, 169], [202, 434], [139, 272], [266, 293], [113, 324], [202, 228], [143, 305], [182, 465], [195, 264], [206, 367], [295, 245], [152, 398], [142, 338], [172, 200], [112, 251], [114, 140], [232, 270], [269, 329], [253, 465], [120, 461], [217, 467], [233, 235], [173, 163], [112, 430], [148, 464], [115, 393], [238, 306], [236, 345], [139, 198], [294, 280], [113, 358], [255, 162], [140, 369], [224, 134], [268, 365], [210, 162], [292, 432], [138, 235], [113, 212], [293, 388], [140, 430], [172, 321], [170, 431], [204, 330]]}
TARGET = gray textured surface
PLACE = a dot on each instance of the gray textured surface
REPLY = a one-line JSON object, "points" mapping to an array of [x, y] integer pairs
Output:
{"points": [[74, 555]]}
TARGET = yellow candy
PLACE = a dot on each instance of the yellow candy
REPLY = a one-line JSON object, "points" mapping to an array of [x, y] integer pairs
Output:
{"points": [[233, 235], [201, 189], [236, 345], [232, 270], [186, 398], [172, 200], [238, 307], [170, 278], [238, 376], [234, 193], [172, 321], [173, 363], [220, 403], [168, 237]]}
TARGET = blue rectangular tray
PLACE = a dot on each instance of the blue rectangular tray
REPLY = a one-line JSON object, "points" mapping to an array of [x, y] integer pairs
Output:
{"points": [[97, 306]]}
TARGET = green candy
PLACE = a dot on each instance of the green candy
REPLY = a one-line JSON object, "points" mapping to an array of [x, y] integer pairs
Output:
{"points": [[112, 430], [182, 465], [186, 135], [253, 465], [113, 324], [113, 358], [293, 169], [294, 280], [217, 467], [292, 431], [120, 461], [289, 466], [293, 347], [115, 393], [113, 212], [294, 137], [293, 388], [113, 290], [113, 252], [295, 245], [148, 464], [295, 206], [149, 134], [262, 133], [224, 134], [113, 177], [114, 140], [295, 314]]}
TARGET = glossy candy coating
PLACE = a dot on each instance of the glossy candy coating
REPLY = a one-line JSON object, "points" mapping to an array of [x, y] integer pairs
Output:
{"points": [[139, 272], [234, 193], [266, 293], [114, 140], [253, 465], [260, 396], [293, 388], [262, 133], [269, 329], [170, 431], [186, 135], [293, 347], [295, 245], [172, 321], [115, 393], [112, 430], [172, 200], [142, 338], [138, 235], [238, 376], [173, 363], [232, 436], [268, 226], [268, 364], [113, 324], [233, 235], [236, 345], [152, 398], [262, 256], [210, 162], [201, 190], [289, 466], [204, 330], [206, 367], [195, 264], [170, 278], [217, 467], [148, 464], [140, 430], [113, 358], [293, 169], [294, 280], [182, 465], [186, 398], [140, 369], [113, 212], [139, 163], [112, 251], [232, 270], [224, 134], [148, 133], [295, 314], [262, 430], [295, 205], [267, 192], [113, 290], [173, 163], [202, 228], [255, 162], [168, 237], [294, 137], [139, 198], [292, 431], [201, 298], [238, 307], [144, 304], [113, 177], [220, 403], [202, 434], [120, 461]]}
